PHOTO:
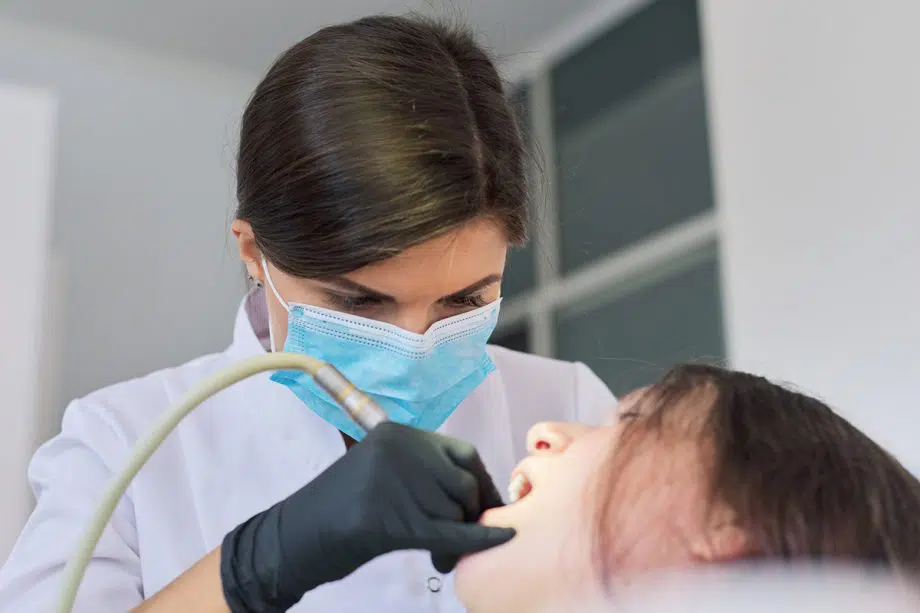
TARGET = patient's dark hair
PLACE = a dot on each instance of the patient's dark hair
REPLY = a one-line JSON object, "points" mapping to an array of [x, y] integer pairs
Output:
{"points": [[370, 137], [803, 483]]}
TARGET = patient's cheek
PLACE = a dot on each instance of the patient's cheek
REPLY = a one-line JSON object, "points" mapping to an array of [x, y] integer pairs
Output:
{"points": [[658, 509]]}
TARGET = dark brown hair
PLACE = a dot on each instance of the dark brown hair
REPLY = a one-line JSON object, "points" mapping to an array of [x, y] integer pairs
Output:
{"points": [[802, 482], [370, 137]]}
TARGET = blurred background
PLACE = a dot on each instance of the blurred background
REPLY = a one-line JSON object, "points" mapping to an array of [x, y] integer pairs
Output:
{"points": [[725, 180]]}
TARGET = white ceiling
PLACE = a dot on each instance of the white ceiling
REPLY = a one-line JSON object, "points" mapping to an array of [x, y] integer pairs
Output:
{"points": [[246, 35]]}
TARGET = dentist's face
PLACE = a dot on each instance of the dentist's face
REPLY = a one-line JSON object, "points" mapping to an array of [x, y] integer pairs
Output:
{"points": [[654, 520], [424, 284]]}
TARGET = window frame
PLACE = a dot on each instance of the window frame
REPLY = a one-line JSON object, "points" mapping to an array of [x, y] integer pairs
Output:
{"points": [[618, 271]]}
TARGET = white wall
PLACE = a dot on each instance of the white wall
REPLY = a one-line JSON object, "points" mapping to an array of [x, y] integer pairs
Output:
{"points": [[143, 197], [26, 174], [816, 137]]}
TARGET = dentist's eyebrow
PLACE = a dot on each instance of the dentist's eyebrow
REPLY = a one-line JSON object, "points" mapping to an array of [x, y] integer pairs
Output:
{"points": [[347, 285], [475, 287]]}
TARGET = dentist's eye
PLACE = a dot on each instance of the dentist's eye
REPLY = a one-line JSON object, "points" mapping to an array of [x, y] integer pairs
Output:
{"points": [[468, 302]]}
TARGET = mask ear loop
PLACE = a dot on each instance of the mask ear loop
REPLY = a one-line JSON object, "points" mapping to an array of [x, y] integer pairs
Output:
{"points": [[271, 285]]}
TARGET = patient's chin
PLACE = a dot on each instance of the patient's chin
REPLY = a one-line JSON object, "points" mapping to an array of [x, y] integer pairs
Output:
{"points": [[499, 517], [515, 576], [482, 580], [470, 582], [477, 569], [483, 571]]}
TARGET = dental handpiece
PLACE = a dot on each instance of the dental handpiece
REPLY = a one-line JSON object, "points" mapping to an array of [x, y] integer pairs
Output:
{"points": [[359, 406]]}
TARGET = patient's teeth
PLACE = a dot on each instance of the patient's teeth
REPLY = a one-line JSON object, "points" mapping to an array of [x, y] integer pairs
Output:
{"points": [[516, 488]]}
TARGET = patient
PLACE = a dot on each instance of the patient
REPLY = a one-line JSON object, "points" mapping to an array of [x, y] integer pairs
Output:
{"points": [[708, 466]]}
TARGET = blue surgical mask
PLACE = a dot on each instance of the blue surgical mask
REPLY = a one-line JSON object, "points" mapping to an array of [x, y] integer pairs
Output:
{"points": [[419, 379]]}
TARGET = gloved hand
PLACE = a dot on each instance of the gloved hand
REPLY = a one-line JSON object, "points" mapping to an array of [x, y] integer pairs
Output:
{"points": [[400, 488]]}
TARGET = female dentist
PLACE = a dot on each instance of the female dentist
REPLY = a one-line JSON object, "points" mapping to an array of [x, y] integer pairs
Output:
{"points": [[381, 180]]}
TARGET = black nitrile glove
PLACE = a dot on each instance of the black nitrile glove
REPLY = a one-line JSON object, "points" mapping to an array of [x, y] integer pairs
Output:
{"points": [[400, 488]]}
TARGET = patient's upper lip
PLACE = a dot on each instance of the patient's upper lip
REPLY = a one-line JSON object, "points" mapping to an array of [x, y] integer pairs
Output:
{"points": [[520, 482], [516, 488], [522, 467], [518, 472]]}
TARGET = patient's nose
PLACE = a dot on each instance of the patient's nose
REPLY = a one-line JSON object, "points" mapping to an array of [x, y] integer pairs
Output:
{"points": [[554, 437]]}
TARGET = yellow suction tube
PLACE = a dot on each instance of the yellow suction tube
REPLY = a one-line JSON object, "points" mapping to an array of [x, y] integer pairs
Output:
{"points": [[362, 409]]}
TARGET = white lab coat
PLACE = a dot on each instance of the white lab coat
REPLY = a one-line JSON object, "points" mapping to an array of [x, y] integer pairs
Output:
{"points": [[237, 454]]}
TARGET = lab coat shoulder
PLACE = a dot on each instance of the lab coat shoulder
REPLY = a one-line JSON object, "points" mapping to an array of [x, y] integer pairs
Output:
{"points": [[68, 475], [131, 407], [553, 390]]}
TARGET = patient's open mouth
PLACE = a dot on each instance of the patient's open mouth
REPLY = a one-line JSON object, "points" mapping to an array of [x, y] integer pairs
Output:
{"points": [[519, 488]]}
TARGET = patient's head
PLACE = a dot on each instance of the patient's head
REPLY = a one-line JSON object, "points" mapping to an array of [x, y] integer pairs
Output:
{"points": [[707, 466]]}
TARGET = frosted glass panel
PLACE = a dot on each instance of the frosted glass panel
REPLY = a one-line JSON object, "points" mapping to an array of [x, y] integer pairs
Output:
{"points": [[633, 340], [520, 268], [636, 170], [517, 338], [632, 151]]}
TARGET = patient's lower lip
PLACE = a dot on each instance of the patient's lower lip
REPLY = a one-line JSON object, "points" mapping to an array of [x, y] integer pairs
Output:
{"points": [[516, 488], [492, 517]]}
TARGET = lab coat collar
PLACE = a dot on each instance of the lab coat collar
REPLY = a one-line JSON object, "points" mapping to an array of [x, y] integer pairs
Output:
{"points": [[288, 414], [250, 331]]}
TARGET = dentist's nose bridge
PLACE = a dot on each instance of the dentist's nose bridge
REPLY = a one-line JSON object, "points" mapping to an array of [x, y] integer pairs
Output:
{"points": [[415, 320]]}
